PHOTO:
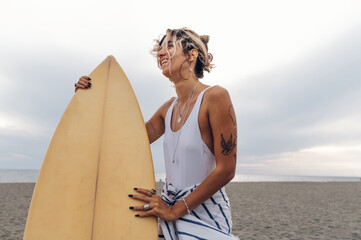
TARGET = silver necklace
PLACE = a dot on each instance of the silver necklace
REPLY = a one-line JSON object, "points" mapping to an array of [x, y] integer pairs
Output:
{"points": [[180, 131], [179, 119]]}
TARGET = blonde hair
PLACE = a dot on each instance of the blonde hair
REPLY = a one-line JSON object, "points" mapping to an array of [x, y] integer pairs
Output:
{"points": [[187, 40]]}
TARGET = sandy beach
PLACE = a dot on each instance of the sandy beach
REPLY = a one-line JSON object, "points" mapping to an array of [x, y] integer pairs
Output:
{"points": [[260, 210]]}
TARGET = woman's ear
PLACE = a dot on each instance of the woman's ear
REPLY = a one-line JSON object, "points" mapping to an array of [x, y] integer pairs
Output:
{"points": [[193, 54]]}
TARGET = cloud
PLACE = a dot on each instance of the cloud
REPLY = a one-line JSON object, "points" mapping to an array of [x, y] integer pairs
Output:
{"points": [[18, 155], [313, 102], [21, 126], [325, 160], [37, 89], [295, 84]]}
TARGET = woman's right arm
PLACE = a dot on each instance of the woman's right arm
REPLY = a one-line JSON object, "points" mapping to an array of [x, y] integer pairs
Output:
{"points": [[155, 125]]}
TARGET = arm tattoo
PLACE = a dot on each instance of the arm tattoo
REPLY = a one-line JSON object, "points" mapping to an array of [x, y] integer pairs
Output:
{"points": [[227, 147], [152, 128], [232, 114]]}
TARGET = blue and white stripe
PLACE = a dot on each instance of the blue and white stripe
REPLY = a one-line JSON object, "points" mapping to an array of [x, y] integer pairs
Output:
{"points": [[211, 220]]}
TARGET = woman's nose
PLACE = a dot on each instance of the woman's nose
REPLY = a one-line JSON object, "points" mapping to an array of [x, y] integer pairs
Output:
{"points": [[161, 52]]}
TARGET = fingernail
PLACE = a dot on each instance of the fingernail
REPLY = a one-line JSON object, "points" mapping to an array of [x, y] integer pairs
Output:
{"points": [[135, 188], [86, 86], [89, 83], [130, 195], [131, 207], [137, 215], [89, 78]]}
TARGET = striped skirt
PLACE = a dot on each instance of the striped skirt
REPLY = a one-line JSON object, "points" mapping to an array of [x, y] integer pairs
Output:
{"points": [[210, 220]]}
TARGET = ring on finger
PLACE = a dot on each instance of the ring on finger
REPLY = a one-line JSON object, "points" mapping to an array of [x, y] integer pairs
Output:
{"points": [[146, 207], [152, 192]]}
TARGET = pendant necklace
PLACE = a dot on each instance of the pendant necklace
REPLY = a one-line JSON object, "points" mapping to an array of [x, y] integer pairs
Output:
{"points": [[180, 118]]}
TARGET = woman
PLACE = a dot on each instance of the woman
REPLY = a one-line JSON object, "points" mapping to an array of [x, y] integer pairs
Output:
{"points": [[200, 135]]}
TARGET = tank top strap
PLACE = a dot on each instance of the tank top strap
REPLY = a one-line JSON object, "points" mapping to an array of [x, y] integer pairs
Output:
{"points": [[197, 105], [169, 114]]}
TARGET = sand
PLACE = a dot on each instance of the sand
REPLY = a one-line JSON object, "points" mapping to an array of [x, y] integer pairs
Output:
{"points": [[296, 210], [260, 210]]}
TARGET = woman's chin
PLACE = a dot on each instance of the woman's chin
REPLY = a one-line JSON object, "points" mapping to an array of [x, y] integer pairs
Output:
{"points": [[166, 73]]}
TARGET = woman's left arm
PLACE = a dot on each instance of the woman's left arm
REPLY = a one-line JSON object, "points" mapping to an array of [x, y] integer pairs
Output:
{"points": [[222, 120]]}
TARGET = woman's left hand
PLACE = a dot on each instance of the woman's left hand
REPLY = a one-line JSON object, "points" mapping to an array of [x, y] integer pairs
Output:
{"points": [[157, 206]]}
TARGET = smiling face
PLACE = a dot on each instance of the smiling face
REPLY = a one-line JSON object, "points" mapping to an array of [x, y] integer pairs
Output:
{"points": [[182, 53], [171, 58]]}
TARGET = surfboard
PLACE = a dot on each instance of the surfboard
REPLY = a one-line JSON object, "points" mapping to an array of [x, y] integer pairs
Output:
{"points": [[99, 152]]}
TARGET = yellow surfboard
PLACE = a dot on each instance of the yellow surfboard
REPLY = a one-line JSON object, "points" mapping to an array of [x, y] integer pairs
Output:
{"points": [[99, 152]]}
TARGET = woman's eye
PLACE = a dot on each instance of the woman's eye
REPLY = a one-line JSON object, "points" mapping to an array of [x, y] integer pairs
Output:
{"points": [[170, 46]]}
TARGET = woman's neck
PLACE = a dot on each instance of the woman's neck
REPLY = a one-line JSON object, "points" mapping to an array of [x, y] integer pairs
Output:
{"points": [[184, 89]]}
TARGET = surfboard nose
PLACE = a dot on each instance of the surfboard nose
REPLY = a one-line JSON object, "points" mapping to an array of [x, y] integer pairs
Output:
{"points": [[111, 58]]}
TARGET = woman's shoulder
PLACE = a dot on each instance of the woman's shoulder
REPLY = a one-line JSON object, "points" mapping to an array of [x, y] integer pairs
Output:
{"points": [[164, 108], [216, 93], [218, 103], [169, 102]]}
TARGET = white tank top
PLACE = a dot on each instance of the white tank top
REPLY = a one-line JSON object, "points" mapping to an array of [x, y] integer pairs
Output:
{"points": [[193, 159]]}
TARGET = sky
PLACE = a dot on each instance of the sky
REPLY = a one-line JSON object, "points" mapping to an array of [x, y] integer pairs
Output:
{"points": [[292, 69]]}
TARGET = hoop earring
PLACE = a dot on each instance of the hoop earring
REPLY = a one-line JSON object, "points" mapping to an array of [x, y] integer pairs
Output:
{"points": [[180, 71]]}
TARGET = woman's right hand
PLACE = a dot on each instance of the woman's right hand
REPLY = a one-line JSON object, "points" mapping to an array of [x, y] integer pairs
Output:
{"points": [[84, 83]]}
